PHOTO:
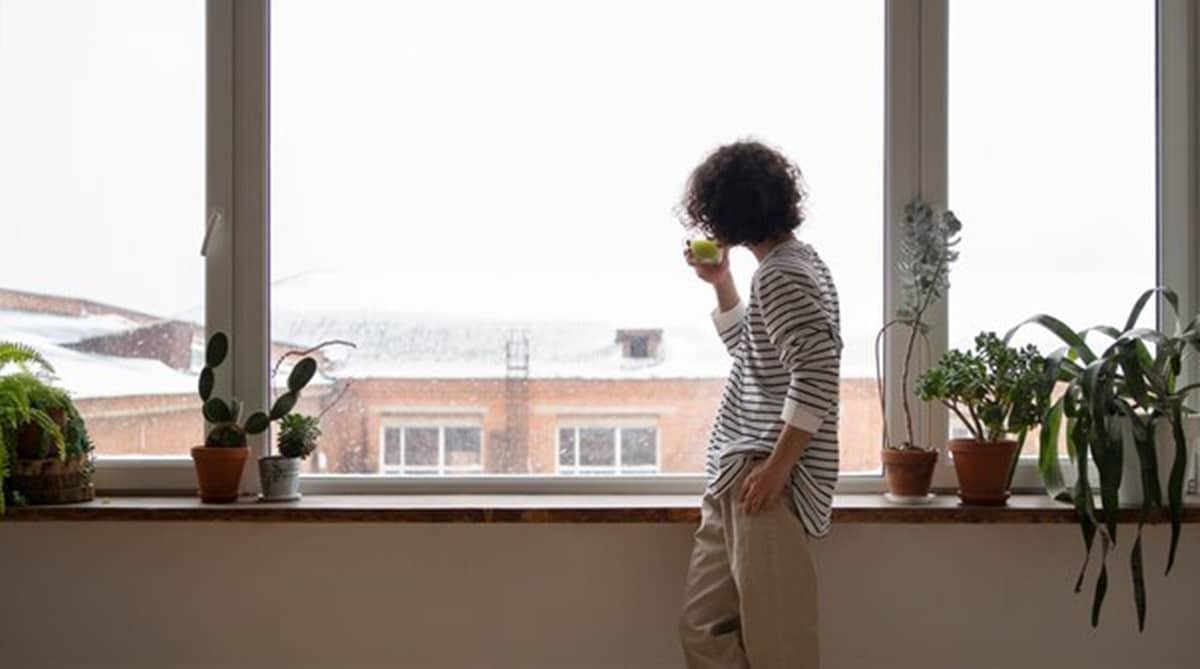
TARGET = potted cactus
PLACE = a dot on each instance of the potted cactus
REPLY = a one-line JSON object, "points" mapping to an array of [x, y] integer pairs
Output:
{"points": [[220, 461], [998, 393], [280, 474], [297, 438]]}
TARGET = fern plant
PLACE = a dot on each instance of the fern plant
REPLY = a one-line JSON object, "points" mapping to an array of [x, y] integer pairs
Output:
{"points": [[927, 249], [24, 399]]}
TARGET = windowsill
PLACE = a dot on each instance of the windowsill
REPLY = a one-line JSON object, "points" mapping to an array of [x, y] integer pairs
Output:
{"points": [[944, 509]]}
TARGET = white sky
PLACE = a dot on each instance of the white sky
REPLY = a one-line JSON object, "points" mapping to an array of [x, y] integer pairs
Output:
{"points": [[555, 137]]}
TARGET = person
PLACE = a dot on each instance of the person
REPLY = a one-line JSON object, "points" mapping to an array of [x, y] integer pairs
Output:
{"points": [[751, 595]]}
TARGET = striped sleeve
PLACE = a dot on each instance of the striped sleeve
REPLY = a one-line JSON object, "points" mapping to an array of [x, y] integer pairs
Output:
{"points": [[809, 347], [731, 325]]}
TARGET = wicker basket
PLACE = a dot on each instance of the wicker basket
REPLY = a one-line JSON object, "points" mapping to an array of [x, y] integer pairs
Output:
{"points": [[53, 481]]}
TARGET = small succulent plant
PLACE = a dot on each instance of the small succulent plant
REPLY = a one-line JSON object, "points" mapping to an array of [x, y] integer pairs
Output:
{"points": [[228, 429], [298, 435]]}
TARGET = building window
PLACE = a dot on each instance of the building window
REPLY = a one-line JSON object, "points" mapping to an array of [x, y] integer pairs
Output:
{"points": [[423, 449], [607, 450]]}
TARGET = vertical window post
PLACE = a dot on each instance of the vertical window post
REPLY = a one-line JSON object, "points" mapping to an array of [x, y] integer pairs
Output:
{"points": [[237, 194], [1179, 168], [914, 165]]}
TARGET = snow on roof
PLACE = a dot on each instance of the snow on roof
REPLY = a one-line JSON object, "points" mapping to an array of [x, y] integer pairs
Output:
{"points": [[455, 324], [90, 375]]}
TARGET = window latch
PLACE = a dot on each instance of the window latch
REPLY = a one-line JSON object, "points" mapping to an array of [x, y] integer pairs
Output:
{"points": [[215, 218]]}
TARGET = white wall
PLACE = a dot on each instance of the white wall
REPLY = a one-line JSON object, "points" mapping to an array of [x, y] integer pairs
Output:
{"points": [[330, 595]]}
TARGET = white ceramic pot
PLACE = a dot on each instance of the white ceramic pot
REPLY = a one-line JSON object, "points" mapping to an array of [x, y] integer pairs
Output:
{"points": [[1130, 492], [280, 478]]}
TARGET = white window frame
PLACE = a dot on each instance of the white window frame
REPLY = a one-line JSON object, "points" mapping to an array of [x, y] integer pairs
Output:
{"points": [[618, 424], [433, 422], [915, 163]]}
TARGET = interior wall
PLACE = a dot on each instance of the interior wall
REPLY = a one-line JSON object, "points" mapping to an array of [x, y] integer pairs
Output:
{"points": [[475, 595]]}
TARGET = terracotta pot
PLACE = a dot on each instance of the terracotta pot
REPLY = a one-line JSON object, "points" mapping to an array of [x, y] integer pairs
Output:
{"points": [[909, 472], [29, 440], [219, 471], [983, 468]]}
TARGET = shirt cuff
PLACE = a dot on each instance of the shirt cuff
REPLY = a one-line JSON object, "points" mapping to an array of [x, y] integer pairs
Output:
{"points": [[798, 417], [724, 320]]}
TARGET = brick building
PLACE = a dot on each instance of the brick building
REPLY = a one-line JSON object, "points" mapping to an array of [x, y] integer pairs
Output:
{"points": [[423, 397]]}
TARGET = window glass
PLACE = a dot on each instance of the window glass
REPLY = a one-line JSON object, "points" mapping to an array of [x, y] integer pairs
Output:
{"points": [[1052, 164], [597, 447], [480, 195], [102, 162], [391, 437], [421, 447], [463, 447], [638, 447]]}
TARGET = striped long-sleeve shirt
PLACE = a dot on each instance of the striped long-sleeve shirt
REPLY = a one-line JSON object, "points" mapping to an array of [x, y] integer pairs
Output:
{"points": [[786, 346]]}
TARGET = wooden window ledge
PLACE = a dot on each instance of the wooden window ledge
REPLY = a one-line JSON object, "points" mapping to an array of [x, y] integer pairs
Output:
{"points": [[1022, 509]]}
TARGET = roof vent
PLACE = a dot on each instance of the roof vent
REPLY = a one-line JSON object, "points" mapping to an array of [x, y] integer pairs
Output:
{"points": [[639, 344]]}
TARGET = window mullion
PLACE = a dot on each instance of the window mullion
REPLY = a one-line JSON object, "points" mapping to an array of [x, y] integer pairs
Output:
{"points": [[914, 165], [250, 333], [1178, 139]]}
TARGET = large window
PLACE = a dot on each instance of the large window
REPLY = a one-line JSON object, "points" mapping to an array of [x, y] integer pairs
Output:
{"points": [[1051, 163], [480, 195], [102, 159]]}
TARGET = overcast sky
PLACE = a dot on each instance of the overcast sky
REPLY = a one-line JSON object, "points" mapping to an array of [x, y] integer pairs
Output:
{"points": [[553, 138]]}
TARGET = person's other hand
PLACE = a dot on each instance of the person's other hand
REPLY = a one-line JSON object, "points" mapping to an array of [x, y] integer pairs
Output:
{"points": [[764, 485]]}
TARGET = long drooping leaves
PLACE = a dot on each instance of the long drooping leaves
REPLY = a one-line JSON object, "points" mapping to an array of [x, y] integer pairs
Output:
{"points": [[1112, 404]]}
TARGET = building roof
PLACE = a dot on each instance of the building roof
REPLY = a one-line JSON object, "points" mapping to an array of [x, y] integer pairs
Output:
{"points": [[455, 326]]}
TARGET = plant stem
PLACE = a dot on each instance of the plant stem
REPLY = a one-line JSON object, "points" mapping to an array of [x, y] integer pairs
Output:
{"points": [[296, 353], [967, 423]]}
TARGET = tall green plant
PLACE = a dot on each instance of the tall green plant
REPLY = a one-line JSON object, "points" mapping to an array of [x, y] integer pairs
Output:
{"points": [[1133, 379], [927, 249]]}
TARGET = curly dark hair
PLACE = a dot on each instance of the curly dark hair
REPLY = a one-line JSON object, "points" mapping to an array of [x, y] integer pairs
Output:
{"points": [[744, 193]]}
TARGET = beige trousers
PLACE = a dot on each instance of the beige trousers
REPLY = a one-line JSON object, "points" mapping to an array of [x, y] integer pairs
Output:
{"points": [[751, 598]]}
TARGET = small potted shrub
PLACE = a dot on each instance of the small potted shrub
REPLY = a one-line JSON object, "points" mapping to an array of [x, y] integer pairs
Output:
{"points": [[220, 461], [997, 393], [927, 249], [1123, 413], [280, 474]]}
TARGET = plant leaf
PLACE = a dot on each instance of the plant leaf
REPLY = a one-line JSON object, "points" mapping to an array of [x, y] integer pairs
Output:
{"points": [[207, 380], [1060, 329], [1048, 454], [1098, 598], [217, 349], [1175, 482], [283, 405], [301, 374], [257, 423], [217, 411], [1139, 580]]}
